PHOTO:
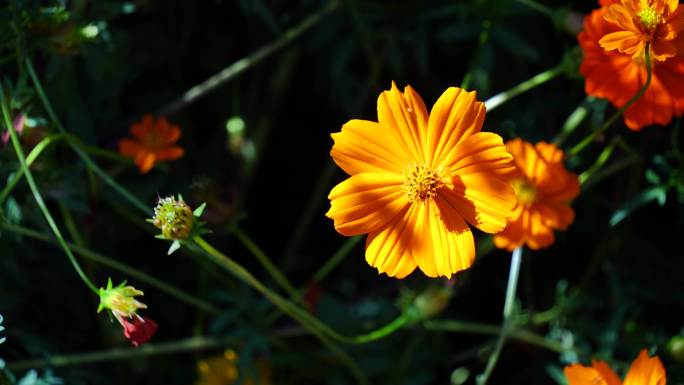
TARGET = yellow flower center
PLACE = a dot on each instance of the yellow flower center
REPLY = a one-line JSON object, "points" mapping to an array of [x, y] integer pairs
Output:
{"points": [[649, 18], [421, 183], [525, 191]]}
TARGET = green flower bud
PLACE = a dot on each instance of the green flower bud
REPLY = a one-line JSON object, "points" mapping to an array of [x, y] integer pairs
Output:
{"points": [[676, 348], [120, 300], [432, 301], [174, 218]]}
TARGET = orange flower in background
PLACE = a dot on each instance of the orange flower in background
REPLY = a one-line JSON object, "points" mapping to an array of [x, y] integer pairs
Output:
{"points": [[544, 188], [657, 22], [153, 141], [417, 178], [618, 76], [645, 370]]}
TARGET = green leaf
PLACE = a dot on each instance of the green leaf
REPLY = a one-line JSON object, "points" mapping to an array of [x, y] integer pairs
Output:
{"points": [[658, 193]]}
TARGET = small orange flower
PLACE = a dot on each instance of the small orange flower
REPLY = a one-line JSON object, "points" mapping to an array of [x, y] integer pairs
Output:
{"points": [[543, 187], [417, 178], [639, 22], [153, 141], [618, 76], [645, 370]]}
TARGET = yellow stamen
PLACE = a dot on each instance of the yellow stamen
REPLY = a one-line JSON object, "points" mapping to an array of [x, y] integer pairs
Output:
{"points": [[649, 17], [421, 183], [525, 191]]}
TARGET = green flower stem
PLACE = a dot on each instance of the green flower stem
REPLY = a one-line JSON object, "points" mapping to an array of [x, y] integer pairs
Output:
{"points": [[300, 315], [600, 161], [481, 41], [541, 78], [591, 137], [267, 264], [228, 73], [30, 158], [38, 197], [336, 258], [538, 7], [126, 269], [573, 121], [487, 329], [194, 344], [76, 146], [507, 316]]}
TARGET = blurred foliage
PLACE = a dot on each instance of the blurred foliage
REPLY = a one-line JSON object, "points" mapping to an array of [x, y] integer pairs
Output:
{"points": [[257, 151]]}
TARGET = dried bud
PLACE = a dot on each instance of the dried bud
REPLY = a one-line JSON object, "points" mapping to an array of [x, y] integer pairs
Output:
{"points": [[139, 331], [120, 300], [432, 301]]}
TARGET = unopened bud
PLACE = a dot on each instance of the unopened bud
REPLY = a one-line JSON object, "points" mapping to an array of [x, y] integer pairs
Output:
{"points": [[432, 301], [174, 218]]}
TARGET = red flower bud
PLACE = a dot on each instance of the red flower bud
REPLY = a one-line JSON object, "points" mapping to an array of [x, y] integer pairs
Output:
{"points": [[139, 331]]}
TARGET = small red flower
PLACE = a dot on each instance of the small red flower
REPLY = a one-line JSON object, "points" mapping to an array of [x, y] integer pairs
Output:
{"points": [[139, 331]]}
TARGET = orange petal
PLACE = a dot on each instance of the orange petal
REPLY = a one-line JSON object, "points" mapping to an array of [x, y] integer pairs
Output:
{"points": [[549, 152], [583, 375], [607, 373], [397, 118], [620, 16], [646, 370], [387, 249], [482, 199], [170, 153], [480, 152], [129, 147], [454, 238], [663, 49], [538, 235], [365, 202], [456, 115], [362, 146], [145, 161]]}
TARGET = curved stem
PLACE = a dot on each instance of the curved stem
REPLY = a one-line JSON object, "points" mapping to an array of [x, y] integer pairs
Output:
{"points": [[122, 267], [538, 7], [30, 158], [38, 197], [541, 78], [590, 138], [75, 145], [507, 316]]}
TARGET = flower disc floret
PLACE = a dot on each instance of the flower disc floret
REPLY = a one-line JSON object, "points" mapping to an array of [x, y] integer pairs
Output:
{"points": [[174, 218], [120, 300]]}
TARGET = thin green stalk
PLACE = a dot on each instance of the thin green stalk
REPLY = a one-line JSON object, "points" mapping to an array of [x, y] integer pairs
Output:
{"points": [[30, 158], [300, 315], [71, 225], [245, 63], [481, 40], [600, 161], [573, 121], [193, 344], [591, 137], [538, 7], [75, 145], [267, 264], [38, 197], [336, 258], [122, 267], [541, 78], [487, 329], [507, 316]]}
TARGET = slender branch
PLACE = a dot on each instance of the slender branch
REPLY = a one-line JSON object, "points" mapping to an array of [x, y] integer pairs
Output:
{"points": [[538, 7], [75, 144], [591, 137], [541, 78], [30, 158], [573, 121], [149, 349], [228, 73], [122, 267], [507, 316], [336, 258], [38, 197]]}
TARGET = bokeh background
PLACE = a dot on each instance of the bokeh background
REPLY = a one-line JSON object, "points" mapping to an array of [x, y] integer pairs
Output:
{"points": [[257, 151]]}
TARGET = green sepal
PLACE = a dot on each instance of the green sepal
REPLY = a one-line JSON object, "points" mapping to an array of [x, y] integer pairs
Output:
{"points": [[198, 211], [175, 245]]}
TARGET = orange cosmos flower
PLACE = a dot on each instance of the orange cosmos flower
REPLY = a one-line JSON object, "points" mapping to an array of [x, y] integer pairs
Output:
{"points": [[618, 76], [544, 188], [657, 22], [416, 179], [153, 141], [645, 370]]}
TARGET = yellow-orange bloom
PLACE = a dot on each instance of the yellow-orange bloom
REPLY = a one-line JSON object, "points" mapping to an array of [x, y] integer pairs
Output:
{"points": [[657, 22], [618, 76], [544, 189], [645, 370], [417, 178], [153, 141]]}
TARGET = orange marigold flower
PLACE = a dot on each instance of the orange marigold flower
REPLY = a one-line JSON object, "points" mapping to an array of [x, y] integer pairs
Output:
{"points": [[544, 188], [153, 141], [639, 22], [416, 179], [645, 370], [618, 77]]}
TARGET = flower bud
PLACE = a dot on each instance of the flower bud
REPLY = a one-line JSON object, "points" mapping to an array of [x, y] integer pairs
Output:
{"points": [[432, 301], [676, 348], [140, 330], [174, 218], [120, 300]]}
